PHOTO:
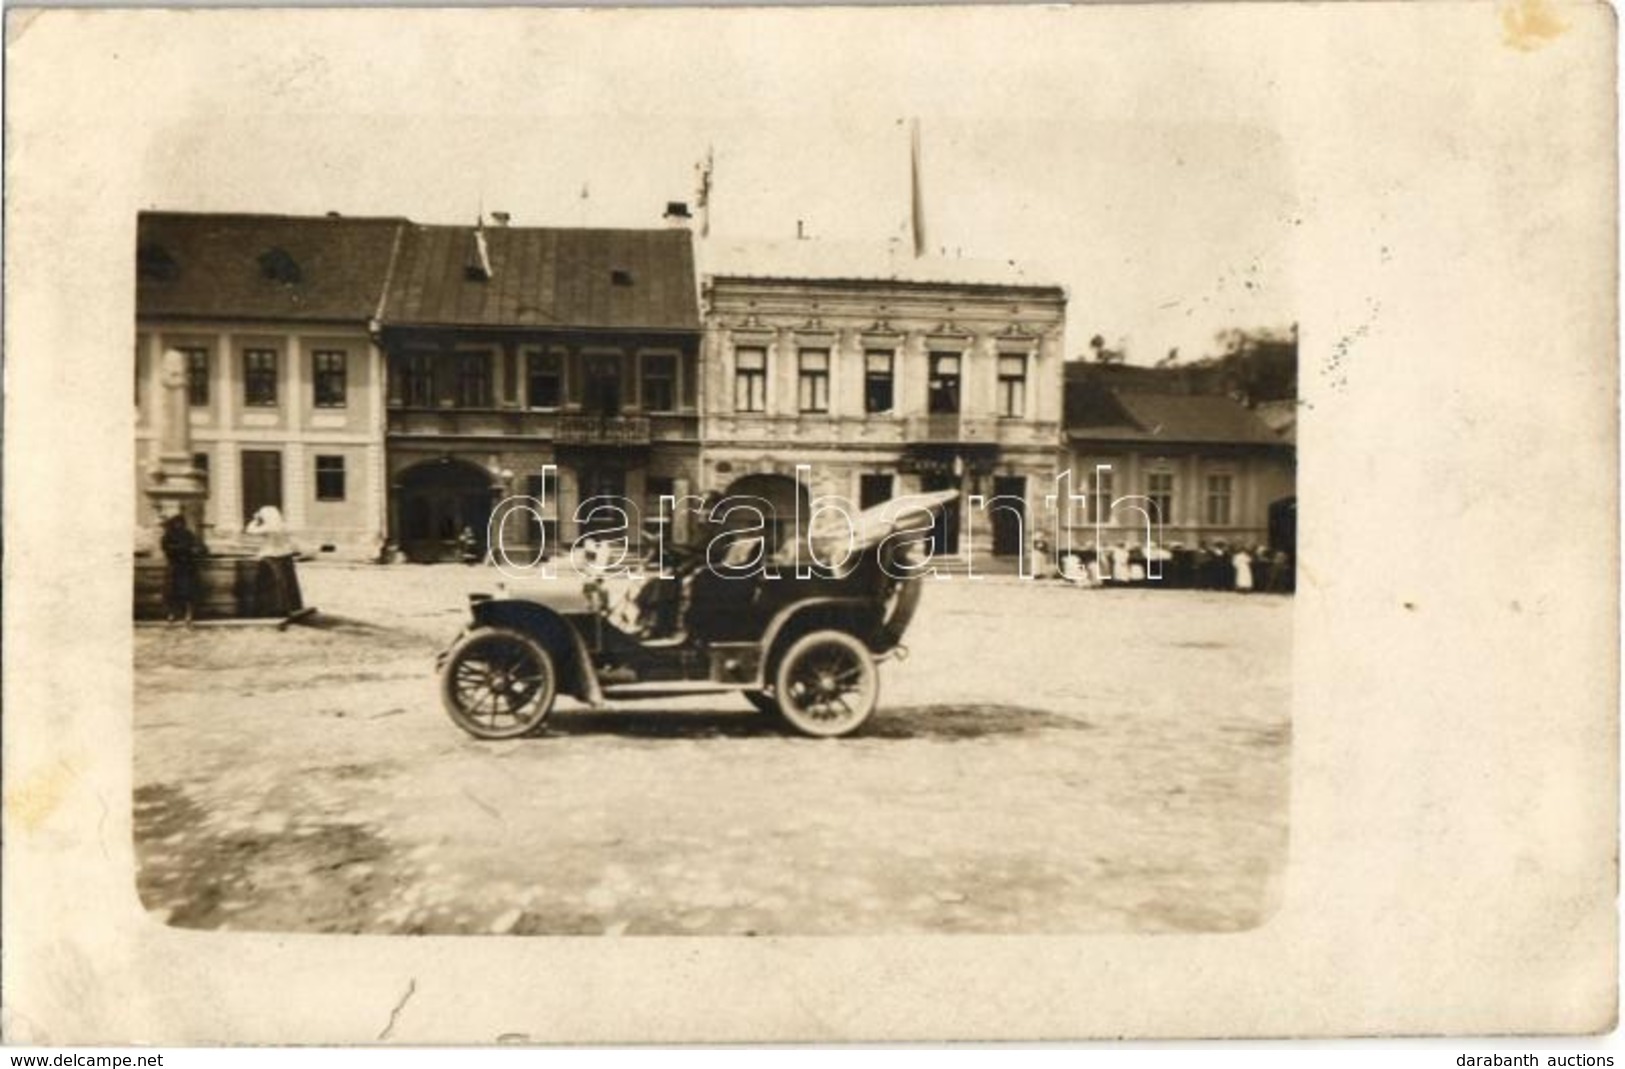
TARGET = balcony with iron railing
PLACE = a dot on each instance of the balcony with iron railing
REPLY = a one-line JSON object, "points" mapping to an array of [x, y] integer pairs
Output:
{"points": [[576, 429]]}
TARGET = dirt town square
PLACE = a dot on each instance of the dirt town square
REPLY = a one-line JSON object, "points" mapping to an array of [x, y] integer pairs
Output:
{"points": [[1048, 759]]}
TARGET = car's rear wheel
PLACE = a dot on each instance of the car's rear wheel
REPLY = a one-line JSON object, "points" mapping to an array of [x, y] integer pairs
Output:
{"points": [[498, 683], [827, 684]]}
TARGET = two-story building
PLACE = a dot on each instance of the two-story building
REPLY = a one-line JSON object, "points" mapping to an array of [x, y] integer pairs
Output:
{"points": [[514, 351], [272, 315], [882, 379]]}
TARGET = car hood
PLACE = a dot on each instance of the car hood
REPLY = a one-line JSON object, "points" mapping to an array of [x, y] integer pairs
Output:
{"points": [[563, 594]]}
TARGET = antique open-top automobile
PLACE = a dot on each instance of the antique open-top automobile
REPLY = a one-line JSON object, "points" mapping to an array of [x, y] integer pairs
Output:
{"points": [[802, 637]]}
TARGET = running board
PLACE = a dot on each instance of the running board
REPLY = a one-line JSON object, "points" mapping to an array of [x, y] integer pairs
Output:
{"points": [[668, 689]]}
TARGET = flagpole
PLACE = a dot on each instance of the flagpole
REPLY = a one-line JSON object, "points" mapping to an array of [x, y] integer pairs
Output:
{"points": [[703, 192], [916, 192]]}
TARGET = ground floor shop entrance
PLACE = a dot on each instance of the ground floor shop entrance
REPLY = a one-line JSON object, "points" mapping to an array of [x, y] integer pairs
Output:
{"points": [[444, 506]]}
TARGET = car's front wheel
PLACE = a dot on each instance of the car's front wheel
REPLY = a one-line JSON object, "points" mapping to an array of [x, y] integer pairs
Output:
{"points": [[827, 684], [498, 683]]}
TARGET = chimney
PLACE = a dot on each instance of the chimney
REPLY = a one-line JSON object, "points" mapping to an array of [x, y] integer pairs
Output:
{"points": [[677, 215], [501, 218]]}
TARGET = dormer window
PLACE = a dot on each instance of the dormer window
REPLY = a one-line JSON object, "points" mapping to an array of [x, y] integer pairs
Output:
{"points": [[620, 277], [153, 262], [277, 266]]}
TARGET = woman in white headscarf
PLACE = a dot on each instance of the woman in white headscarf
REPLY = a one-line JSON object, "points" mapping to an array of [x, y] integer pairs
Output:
{"points": [[276, 586], [272, 533]]}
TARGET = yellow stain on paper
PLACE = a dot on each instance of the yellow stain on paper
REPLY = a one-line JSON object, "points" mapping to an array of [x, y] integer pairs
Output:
{"points": [[1531, 24], [34, 799]]}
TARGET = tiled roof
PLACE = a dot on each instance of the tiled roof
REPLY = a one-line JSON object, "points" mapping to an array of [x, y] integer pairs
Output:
{"points": [[623, 279], [262, 266], [1125, 415]]}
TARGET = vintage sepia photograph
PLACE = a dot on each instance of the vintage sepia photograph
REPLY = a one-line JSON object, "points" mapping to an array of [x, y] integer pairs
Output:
{"points": [[650, 541], [751, 525]]}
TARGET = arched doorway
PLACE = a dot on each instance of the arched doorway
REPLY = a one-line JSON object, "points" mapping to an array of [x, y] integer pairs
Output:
{"points": [[785, 500], [439, 499]]}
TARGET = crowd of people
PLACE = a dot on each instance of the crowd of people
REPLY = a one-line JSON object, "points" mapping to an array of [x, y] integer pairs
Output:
{"points": [[1206, 566]]}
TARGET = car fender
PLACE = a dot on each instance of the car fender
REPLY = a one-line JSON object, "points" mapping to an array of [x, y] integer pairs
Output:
{"points": [[577, 676], [892, 628], [792, 618]]}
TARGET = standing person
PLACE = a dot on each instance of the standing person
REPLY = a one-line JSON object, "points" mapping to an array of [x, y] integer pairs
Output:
{"points": [[181, 552], [467, 546], [1120, 563], [276, 588], [1040, 556], [1242, 562]]}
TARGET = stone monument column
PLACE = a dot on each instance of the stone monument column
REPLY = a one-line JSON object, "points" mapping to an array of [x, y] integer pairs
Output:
{"points": [[174, 485]]}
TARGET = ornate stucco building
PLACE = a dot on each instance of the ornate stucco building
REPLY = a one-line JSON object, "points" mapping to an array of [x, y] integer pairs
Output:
{"points": [[886, 379]]}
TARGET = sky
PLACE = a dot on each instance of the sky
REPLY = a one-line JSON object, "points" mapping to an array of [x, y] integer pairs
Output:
{"points": [[1153, 186]]}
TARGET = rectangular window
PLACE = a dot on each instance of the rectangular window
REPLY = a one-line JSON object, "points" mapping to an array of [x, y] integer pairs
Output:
{"points": [[510, 377], [197, 377], [331, 368], [874, 489], [1099, 492], [329, 478], [200, 464], [944, 384], [1218, 499], [877, 380], [813, 389], [691, 385], [411, 382], [656, 487], [1159, 487], [474, 380], [1012, 385], [544, 380], [750, 380], [659, 383], [259, 377], [541, 487]]}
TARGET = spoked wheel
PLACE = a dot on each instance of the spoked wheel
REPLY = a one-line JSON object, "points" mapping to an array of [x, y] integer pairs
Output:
{"points": [[498, 684], [827, 684], [764, 701]]}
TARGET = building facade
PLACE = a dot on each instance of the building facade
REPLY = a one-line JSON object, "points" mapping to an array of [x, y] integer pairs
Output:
{"points": [[878, 387], [555, 364], [1165, 457], [272, 316], [383, 381]]}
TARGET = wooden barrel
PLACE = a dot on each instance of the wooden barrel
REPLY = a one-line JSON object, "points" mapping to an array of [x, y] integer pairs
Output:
{"points": [[232, 587]]}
